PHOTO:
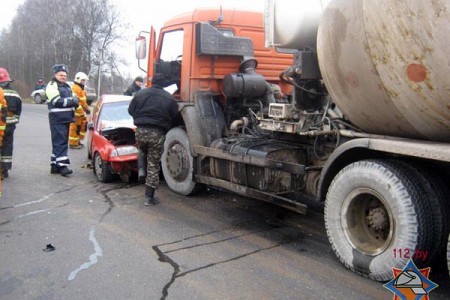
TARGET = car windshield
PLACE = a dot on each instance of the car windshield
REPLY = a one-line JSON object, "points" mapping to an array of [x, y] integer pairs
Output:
{"points": [[115, 114]]}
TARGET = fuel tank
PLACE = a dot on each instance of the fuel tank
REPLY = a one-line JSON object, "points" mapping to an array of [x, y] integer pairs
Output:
{"points": [[260, 178], [386, 64]]}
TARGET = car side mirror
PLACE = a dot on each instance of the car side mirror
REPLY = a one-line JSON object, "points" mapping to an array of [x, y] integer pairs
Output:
{"points": [[90, 125]]}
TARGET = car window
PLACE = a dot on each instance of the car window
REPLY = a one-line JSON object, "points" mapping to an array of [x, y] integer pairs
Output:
{"points": [[115, 114]]}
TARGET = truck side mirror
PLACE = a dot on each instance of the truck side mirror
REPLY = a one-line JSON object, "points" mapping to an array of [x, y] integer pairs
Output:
{"points": [[141, 47]]}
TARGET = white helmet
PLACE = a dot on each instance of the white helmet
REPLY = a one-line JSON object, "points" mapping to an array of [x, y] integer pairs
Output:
{"points": [[80, 76]]}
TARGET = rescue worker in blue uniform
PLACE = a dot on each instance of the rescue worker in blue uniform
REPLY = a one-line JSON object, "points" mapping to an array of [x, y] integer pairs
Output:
{"points": [[14, 103], [61, 107]]}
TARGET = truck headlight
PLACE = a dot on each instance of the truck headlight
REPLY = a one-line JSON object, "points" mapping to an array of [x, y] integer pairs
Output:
{"points": [[125, 150]]}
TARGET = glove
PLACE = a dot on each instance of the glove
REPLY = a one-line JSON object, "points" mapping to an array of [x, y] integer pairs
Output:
{"points": [[87, 110], [76, 102]]}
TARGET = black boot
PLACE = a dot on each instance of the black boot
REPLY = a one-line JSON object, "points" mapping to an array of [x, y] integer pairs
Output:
{"points": [[65, 171], [150, 199], [54, 169], [142, 166]]}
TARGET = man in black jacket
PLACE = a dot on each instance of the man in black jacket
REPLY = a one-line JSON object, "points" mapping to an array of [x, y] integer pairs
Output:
{"points": [[154, 112], [134, 87]]}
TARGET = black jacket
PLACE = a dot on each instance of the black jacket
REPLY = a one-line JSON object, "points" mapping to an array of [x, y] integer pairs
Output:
{"points": [[154, 107], [132, 89]]}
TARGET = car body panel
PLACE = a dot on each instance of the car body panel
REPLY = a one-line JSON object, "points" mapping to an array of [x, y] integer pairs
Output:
{"points": [[41, 93], [111, 129]]}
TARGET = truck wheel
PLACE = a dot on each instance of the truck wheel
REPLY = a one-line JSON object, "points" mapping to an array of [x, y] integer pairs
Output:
{"points": [[177, 163], [102, 170], [437, 194], [448, 255], [376, 219]]}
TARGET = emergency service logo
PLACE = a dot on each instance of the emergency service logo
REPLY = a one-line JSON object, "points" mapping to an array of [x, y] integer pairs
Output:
{"points": [[411, 283]]}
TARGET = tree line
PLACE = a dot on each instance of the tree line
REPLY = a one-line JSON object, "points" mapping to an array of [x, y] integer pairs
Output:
{"points": [[80, 34]]}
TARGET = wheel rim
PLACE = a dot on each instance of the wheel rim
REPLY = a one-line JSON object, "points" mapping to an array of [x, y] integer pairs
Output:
{"points": [[178, 162], [367, 221], [37, 98], [98, 166]]}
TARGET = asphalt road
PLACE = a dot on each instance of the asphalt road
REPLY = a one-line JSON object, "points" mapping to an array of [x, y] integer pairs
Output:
{"points": [[108, 245]]}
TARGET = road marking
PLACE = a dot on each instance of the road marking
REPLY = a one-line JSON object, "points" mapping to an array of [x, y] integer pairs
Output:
{"points": [[92, 257]]}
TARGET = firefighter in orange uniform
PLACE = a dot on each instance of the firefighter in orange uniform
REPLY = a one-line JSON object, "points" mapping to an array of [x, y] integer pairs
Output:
{"points": [[3, 112], [77, 129]]}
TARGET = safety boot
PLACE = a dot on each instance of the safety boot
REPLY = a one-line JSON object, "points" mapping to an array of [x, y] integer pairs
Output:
{"points": [[54, 169], [150, 199], [75, 146], [65, 171]]}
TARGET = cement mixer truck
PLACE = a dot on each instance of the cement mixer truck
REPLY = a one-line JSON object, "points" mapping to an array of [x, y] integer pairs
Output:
{"points": [[347, 106]]}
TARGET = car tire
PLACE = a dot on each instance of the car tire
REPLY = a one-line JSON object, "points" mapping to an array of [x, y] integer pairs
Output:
{"points": [[38, 98], [374, 209], [102, 169], [177, 163]]}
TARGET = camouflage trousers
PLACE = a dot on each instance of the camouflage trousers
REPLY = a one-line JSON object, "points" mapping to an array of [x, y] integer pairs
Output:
{"points": [[151, 142]]}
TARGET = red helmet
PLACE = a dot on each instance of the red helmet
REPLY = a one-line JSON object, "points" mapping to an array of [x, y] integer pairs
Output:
{"points": [[4, 75]]}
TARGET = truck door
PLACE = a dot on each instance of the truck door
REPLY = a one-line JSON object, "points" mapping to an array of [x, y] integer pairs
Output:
{"points": [[169, 61]]}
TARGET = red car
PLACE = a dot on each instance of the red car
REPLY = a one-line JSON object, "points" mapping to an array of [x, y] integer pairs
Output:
{"points": [[111, 139]]}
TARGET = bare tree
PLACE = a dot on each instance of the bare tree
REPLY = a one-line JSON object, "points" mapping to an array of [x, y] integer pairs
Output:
{"points": [[45, 32]]}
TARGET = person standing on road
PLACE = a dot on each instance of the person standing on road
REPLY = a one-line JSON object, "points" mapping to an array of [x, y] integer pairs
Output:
{"points": [[40, 84], [77, 129], [14, 103], [61, 106], [154, 112], [134, 87], [3, 112]]}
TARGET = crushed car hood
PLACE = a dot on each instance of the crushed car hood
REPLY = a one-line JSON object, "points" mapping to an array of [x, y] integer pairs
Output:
{"points": [[119, 135]]}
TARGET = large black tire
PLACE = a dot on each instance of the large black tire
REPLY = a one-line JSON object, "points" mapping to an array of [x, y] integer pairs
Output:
{"points": [[102, 169], [376, 217], [177, 163], [448, 255], [437, 194]]}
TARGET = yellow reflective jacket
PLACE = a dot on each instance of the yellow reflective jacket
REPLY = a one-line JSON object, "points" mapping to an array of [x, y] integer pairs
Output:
{"points": [[79, 91]]}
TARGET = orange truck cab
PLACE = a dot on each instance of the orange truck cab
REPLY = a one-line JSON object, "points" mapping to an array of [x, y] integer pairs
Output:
{"points": [[197, 50]]}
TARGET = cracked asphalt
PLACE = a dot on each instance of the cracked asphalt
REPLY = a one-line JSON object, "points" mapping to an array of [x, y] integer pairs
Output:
{"points": [[108, 245]]}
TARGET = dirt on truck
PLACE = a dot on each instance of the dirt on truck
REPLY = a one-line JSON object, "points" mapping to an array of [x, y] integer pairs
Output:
{"points": [[347, 105]]}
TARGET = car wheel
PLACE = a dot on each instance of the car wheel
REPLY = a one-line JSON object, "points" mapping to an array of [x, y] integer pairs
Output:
{"points": [[373, 210], [102, 169], [177, 163], [38, 98]]}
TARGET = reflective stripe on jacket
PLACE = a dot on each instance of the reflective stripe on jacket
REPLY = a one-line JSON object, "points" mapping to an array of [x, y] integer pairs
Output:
{"points": [[14, 103], [3, 108]]}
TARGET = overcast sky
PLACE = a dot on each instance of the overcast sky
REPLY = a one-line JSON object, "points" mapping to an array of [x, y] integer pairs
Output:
{"points": [[141, 14]]}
